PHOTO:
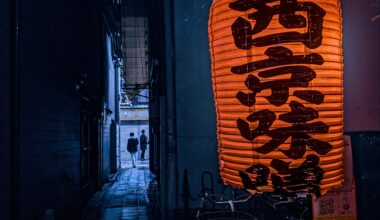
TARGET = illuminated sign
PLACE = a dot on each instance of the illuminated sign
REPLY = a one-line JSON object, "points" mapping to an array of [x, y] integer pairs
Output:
{"points": [[277, 71]]}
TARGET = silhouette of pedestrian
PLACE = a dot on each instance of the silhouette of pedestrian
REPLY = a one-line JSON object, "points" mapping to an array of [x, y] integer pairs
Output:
{"points": [[132, 147], [143, 143]]}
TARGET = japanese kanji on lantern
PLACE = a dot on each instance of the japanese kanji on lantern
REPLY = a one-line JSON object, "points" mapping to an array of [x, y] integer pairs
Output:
{"points": [[277, 75]]}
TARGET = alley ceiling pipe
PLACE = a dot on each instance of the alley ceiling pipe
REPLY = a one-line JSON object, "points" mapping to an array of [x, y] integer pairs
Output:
{"points": [[277, 72]]}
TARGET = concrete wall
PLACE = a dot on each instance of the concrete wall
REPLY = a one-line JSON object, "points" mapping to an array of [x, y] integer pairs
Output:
{"points": [[5, 108], [195, 113], [134, 114]]}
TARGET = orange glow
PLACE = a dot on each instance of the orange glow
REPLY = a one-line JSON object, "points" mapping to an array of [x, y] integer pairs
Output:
{"points": [[250, 85]]}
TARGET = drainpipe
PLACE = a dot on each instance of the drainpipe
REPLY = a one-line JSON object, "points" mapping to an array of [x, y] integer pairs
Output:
{"points": [[15, 112], [171, 143], [117, 67]]}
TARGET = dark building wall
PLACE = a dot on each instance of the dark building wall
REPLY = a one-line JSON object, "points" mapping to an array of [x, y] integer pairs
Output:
{"points": [[110, 78], [106, 147], [366, 154], [361, 47], [109, 103], [361, 44], [5, 108], [59, 42], [195, 113], [50, 144]]}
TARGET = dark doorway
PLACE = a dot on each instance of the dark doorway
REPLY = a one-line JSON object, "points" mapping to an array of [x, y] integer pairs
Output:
{"points": [[89, 133]]}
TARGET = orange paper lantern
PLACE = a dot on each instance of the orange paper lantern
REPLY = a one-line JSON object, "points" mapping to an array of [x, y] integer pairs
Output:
{"points": [[277, 76]]}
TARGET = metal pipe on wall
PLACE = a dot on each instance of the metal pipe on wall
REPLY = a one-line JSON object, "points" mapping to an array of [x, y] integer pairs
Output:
{"points": [[117, 66], [171, 142], [162, 160]]}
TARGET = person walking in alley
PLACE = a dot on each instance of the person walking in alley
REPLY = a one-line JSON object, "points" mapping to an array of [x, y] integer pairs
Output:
{"points": [[143, 143], [132, 147]]}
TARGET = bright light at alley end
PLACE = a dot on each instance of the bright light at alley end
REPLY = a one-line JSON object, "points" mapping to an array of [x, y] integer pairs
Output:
{"points": [[277, 72]]}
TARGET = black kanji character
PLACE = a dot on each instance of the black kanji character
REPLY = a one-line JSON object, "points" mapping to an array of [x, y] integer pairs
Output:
{"points": [[265, 118], [299, 132], [278, 56], [300, 77], [261, 179], [307, 176], [243, 32]]}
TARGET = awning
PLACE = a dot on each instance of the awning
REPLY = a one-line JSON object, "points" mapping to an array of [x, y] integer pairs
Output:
{"points": [[135, 47]]}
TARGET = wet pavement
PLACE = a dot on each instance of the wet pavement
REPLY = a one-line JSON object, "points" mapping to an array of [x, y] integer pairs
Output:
{"points": [[127, 197], [132, 195]]}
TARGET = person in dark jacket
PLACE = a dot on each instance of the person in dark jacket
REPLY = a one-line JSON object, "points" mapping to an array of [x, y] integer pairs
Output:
{"points": [[132, 147], [143, 143]]}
